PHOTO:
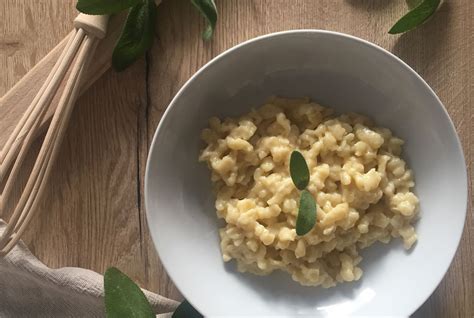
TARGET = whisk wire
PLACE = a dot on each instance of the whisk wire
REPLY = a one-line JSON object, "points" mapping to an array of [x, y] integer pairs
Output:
{"points": [[37, 109], [23, 145], [83, 44]]}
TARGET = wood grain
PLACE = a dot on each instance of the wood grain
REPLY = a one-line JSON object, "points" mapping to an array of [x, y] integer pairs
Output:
{"points": [[93, 213], [14, 103]]}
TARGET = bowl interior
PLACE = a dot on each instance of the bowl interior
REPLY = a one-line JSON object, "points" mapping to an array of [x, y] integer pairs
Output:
{"points": [[337, 71]]}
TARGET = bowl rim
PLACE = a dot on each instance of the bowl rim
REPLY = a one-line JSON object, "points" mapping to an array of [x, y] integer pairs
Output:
{"points": [[343, 36]]}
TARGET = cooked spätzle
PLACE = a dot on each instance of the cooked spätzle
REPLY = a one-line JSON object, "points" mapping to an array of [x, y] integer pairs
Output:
{"points": [[362, 187]]}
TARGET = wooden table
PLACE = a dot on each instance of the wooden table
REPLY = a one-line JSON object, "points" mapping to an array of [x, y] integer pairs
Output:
{"points": [[93, 215]]}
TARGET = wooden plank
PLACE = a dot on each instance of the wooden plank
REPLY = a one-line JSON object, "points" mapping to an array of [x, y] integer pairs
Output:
{"points": [[15, 102], [28, 32]]}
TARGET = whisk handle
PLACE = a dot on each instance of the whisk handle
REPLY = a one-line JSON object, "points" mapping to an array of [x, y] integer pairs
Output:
{"points": [[94, 25]]}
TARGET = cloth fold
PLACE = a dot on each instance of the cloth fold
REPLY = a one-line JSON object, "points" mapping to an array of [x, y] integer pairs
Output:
{"points": [[28, 288]]}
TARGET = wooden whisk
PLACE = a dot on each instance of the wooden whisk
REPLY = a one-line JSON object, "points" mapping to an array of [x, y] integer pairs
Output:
{"points": [[71, 64]]}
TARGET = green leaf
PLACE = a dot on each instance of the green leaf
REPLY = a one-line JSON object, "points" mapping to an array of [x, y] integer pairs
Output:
{"points": [[137, 35], [104, 6], [415, 17], [306, 214], [299, 171], [209, 11], [123, 298], [413, 3], [185, 310]]}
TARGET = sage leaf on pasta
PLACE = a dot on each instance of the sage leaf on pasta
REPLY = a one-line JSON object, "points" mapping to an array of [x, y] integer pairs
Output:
{"points": [[208, 10], [306, 214], [123, 298], [299, 171], [415, 17]]}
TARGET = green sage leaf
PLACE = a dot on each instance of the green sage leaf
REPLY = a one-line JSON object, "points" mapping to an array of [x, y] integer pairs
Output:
{"points": [[123, 298], [306, 214], [415, 17], [299, 171], [413, 3], [208, 10], [95, 7], [185, 310], [137, 35]]}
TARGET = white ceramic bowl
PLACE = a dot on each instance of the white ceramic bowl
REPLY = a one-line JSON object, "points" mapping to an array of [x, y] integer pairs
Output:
{"points": [[339, 71]]}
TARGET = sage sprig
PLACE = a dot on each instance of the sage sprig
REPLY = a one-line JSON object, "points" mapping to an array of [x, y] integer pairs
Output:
{"points": [[123, 298], [421, 12], [209, 11], [138, 32], [137, 35], [299, 173], [412, 4]]}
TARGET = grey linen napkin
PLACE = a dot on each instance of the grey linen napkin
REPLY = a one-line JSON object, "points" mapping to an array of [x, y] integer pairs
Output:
{"points": [[28, 288]]}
